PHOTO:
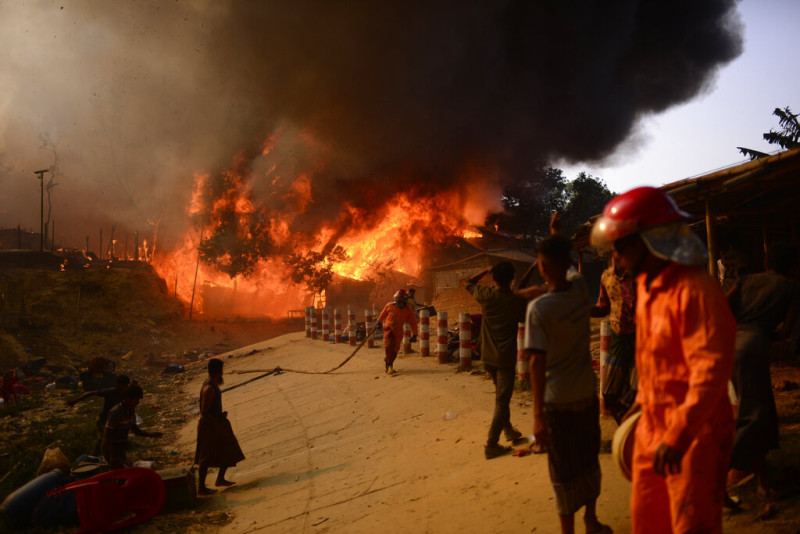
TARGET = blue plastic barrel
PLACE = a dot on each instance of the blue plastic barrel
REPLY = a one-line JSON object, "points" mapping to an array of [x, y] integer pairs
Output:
{"points": [[17, 509]]}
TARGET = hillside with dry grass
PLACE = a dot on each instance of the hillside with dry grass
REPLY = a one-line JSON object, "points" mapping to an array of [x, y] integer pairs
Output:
{"points": [[70, 317]]}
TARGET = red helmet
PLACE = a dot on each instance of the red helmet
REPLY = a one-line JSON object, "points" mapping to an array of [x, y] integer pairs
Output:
{"points": [[401, 295], [632, 212]]}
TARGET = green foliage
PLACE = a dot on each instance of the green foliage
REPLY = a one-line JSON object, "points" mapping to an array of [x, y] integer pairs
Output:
{"points": [[314, 269], [586, 196], [529, 203], [241, 229], [787, 137], [237, 245]]}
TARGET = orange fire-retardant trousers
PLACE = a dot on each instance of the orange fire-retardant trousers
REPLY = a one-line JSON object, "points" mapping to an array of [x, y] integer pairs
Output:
{"points": [[689, 502], [392, 338]]}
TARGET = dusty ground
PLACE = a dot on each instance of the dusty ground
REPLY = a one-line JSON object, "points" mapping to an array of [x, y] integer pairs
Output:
{"points": [[351, 451], [357, 451]]}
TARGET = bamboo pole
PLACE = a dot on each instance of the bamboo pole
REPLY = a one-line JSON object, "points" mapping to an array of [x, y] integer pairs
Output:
{"points": [[196, 268], [711, 242]]}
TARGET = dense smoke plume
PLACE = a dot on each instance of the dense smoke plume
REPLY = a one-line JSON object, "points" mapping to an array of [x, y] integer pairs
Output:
{"points": [[368, 98]]}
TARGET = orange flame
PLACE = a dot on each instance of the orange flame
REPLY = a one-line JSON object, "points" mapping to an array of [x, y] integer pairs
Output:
{"points": [[406, 226]]}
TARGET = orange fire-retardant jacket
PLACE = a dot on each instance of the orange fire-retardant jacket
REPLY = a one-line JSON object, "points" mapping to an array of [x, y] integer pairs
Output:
{"points": [[685, 337], [394, 318], [684, 350]]}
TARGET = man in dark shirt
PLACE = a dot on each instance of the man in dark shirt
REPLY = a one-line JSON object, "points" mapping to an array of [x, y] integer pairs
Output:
{"points": [[120, 421], [502, 312], [111, 397]]}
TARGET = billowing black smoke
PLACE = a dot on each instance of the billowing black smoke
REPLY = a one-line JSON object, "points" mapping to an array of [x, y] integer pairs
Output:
{"points": [[366, 98], [419, 89]]}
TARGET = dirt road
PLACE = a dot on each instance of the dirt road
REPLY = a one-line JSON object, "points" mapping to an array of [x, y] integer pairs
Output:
{"points": [[359, 451]]}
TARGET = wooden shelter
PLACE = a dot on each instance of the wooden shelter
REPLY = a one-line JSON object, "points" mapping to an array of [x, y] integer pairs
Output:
{"points": [[739, 209], [757, 202]]}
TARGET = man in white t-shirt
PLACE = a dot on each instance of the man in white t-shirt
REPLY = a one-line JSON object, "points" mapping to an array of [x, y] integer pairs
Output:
{"points": [[566, 407]]}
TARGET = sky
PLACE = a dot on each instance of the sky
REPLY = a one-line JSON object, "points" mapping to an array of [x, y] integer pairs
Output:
{"points": [[346, 104], [702, 135]]}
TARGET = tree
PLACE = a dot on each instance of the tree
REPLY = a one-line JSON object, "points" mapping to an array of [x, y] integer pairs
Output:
{"points": [[585, 196], [787, 137], [314, 269], [529, 203], [237, 244]]}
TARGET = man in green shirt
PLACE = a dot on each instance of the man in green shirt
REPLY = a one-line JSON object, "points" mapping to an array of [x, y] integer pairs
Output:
{"points": [[502, 311]]}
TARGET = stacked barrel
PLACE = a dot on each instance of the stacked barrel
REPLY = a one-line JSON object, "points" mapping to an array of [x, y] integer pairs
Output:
{"points": [[441, 337], [369, 322], [605, 344], [351, 325], [337, 325], [407, 339], [464, 341], [523, 365], [313, 323], [424, 333], [318, 326], [326, 324]]}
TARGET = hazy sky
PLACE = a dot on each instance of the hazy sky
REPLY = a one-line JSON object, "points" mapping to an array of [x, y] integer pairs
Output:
{"points": [[127, 101], [702, 136]]}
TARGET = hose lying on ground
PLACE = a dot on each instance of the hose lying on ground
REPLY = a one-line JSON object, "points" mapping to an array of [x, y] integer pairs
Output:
{"points": [[278, 370]]}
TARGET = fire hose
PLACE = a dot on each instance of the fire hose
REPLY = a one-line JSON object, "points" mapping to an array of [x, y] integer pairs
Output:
{"points": [[278, 370]]}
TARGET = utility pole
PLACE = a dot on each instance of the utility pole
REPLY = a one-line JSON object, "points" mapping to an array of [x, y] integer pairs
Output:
{"points": [[41, 211]]}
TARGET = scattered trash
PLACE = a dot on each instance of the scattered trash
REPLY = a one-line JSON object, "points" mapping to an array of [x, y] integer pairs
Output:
{"points": [[66, 382], [173, 369], [521, 452], [147, 464], [54, 458], [174, 453], [449, 416], [50, 387]]}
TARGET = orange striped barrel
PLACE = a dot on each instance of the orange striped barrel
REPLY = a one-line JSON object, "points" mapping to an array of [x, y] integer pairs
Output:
{"points": [[424, 333]]}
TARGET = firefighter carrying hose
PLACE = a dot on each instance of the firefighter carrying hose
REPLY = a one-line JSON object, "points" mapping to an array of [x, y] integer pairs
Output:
{"points": [[394, 315]]}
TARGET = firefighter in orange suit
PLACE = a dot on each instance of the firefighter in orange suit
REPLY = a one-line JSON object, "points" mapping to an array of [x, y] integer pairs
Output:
{"points": [[394, 316], [685, 336]]}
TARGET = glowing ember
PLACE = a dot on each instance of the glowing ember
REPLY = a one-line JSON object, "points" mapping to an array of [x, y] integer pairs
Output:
{"points": [[471, 234]]}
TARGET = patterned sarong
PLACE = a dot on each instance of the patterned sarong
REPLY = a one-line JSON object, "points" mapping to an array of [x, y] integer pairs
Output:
{"points": [[574, 467]]}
